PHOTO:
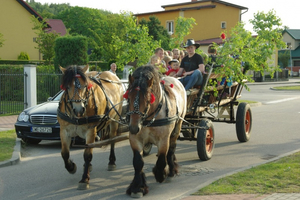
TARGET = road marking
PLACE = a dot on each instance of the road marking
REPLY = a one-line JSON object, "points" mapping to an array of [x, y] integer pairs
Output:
{"points": [[281, 100]]}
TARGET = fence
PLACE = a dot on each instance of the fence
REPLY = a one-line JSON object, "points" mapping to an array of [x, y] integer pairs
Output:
{"points": [[12, 93], [47, 86]]}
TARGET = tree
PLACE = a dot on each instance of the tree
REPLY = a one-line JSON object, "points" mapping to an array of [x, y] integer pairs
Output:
{"points": [[183, 27], [242, 47], [284, 58], [49, 11], [137, 46], [157, 31], [44, 40]]}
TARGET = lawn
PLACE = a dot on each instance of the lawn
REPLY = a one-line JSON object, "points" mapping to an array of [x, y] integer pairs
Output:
{"points": [[7, 144], [295, 87], [281, 176]]}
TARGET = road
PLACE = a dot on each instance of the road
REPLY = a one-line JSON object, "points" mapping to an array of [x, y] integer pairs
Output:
{"points": [[275, 131]]}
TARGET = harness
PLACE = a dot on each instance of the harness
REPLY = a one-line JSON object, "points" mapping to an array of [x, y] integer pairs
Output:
{"points": [[153, 122], [89, 119]]}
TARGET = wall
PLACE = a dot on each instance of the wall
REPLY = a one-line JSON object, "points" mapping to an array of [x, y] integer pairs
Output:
{"points": [[16, 27]]}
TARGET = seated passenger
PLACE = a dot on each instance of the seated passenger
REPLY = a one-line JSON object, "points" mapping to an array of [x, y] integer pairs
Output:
{"points": [[156, 62], [174, 68], [191, 67]]}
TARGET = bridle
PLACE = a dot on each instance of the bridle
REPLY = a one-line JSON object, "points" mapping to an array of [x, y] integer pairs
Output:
{"points": [[136, 103], [77, 86]]}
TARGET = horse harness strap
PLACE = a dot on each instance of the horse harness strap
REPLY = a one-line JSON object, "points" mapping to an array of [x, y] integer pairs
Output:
{"points": [[161, 122], [81, 121]]}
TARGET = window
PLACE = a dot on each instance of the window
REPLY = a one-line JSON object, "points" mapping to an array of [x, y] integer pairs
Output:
{"points": [[223, 25], [288, 45], [170, 27]]}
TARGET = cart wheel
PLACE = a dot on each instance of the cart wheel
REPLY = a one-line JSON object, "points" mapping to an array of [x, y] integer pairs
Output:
{"points": [[243, 122], [205, 140], [147, 148]]}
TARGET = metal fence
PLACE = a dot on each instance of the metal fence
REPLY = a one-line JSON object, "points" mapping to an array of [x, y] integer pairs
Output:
{"points": [[12, 93], [47, 86]]}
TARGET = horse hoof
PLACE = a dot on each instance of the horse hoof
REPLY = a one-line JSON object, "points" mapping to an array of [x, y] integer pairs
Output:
{"points": [[74, 169], [83, 186], [169, 179], [137, 195], [111, 167]]}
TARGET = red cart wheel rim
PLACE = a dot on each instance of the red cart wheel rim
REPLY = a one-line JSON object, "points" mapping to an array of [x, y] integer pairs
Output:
{"points": [[209, 140], [247, 121]]}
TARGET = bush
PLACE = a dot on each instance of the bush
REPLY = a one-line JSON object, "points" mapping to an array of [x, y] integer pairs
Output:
{"points": [[23, 56], [71, 50]]}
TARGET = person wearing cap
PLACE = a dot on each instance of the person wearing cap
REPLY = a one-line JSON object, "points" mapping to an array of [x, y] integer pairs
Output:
{"points": [[191, 67], [174, 67]]}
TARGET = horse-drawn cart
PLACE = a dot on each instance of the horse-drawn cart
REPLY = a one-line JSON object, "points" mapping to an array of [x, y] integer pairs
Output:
{"points": [[204, 108]]}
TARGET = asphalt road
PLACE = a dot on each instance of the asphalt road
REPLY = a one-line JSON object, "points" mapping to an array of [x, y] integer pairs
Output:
{"points": [[275, 131]]}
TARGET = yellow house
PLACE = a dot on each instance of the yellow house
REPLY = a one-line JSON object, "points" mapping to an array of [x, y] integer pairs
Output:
{"points": [[16, 27], [212, 17]]}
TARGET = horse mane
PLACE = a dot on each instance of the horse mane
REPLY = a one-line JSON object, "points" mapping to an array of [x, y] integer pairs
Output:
{"points": [[69, 75], [147, 72]]}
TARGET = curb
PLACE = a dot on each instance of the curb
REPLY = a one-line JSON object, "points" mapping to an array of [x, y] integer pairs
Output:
{"points": [[16, 156]]}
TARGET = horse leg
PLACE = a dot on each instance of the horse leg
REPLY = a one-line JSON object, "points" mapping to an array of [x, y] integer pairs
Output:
{"points": [[138, 186], [171, 158], [112, 158], [88, 156], [159, 170], [84, 182], [65, 154]]}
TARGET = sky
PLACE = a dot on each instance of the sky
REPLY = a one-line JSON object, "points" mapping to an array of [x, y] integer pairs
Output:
{"points": [[286, 10]]}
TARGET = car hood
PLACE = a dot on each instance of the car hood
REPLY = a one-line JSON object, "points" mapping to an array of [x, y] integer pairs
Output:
{"points": [[44, 108]]}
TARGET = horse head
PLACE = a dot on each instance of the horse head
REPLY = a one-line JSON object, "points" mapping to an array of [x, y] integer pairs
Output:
{"points": [[77, 88], [141, 95]]}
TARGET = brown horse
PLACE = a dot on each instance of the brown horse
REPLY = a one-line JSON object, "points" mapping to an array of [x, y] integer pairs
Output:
{"points": [[88, 104], [156, 109]]}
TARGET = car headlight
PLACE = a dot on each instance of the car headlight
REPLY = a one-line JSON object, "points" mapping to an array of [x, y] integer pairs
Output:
{"points": [[23, 117]]}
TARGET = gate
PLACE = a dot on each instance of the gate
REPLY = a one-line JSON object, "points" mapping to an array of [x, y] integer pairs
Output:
{"points": [[12, 93]]}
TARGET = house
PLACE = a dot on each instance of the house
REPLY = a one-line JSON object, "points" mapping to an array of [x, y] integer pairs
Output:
{"points": [[16, 27], [57, 26], [212, 17], [292, 39]]}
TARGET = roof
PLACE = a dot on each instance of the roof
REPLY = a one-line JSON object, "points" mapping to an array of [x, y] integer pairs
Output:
{"points": [[31, 11], [217, 1], [294, 33], [179, 9], [210, 41], [57, 26]]}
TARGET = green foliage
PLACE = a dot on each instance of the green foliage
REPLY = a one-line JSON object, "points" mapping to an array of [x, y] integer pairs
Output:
{"points": [[45, 41], [71, 50], [183, 27], [157, 31], [241, 47], [23, 56], [7, 143], [284, 57], [49, 11], [137, 44]]}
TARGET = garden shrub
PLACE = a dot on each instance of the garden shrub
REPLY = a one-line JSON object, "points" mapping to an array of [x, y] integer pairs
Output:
{"points": [[23, 56]]}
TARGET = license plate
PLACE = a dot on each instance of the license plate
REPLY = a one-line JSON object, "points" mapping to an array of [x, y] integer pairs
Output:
{"points": [[41, 129]]}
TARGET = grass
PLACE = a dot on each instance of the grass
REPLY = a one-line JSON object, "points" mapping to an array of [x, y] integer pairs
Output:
{"points": [[7, 144], [280, 176], [295, 87], [247, 101]]}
